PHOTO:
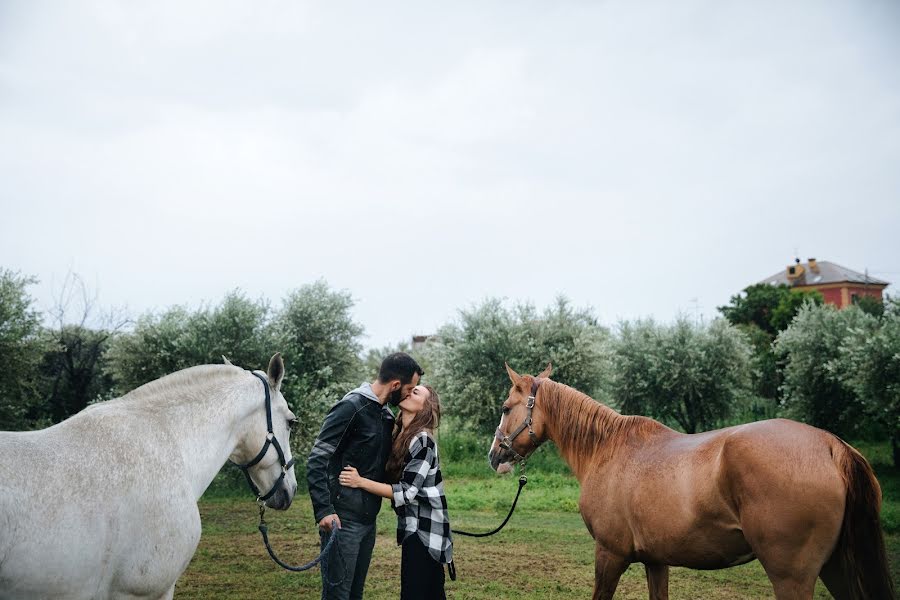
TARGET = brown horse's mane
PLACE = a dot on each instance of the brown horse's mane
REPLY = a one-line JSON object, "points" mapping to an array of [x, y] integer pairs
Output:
{"points": [[586, 430]]}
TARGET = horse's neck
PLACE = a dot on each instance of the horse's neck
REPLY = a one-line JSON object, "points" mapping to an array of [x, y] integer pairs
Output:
{"points": [[205, 423], [586, 432]]}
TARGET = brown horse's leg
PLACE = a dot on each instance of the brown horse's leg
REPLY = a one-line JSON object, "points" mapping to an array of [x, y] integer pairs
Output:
{"points": [[658, 581], [608, 568], [792, 569], [835, 579], [793, 588]]}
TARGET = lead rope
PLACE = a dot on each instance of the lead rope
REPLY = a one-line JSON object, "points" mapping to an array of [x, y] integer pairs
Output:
{"points": [[522, 481], [321, 558]]}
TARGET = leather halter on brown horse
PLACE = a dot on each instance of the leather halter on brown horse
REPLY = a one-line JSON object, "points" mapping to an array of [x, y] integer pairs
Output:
{"points": [[798, 499], [505, 441]]}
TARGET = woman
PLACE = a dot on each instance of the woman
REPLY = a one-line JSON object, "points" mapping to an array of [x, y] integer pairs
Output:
{"points": [[423, 527]]}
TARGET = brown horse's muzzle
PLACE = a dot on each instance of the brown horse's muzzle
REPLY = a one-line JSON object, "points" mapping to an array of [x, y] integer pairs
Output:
{"points": [[500, 463], [494, 458]]}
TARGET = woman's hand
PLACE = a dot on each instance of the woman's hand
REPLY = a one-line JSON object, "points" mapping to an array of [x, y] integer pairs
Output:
{"points": [[349, 477]]}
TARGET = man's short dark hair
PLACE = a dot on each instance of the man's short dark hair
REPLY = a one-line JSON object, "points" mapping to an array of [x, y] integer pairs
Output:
{"points": [[399, 365]]}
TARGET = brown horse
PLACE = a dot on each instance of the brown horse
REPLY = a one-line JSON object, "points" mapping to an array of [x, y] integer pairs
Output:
{"points": [[797, 498]]}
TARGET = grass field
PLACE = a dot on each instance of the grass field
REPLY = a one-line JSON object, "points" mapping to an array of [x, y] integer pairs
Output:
{"points": [[544, 552]]}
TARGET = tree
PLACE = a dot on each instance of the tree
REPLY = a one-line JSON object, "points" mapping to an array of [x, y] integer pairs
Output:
{"points": [[690, 374], [872, 370], [73, 372], [468, 356], [815, 388], [421, 354], [762, 311], [755, 305], [238, 328], [319, 340], [21, 348], [871, 305]]}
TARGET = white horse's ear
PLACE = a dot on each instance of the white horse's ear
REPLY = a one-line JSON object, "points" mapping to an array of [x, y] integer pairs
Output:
{"points": [[513, 376], [546, 372], [275, 372], [227, 362]]}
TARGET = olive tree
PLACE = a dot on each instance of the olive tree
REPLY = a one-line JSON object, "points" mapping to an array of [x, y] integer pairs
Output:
{"points": [[687, 373], [872, 370], [816, 388], [21, 350], [468, 355], [237, 328], [320, 341]]}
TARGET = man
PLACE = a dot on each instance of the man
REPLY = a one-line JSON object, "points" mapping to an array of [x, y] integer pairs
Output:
{"points": [[356, 432]]}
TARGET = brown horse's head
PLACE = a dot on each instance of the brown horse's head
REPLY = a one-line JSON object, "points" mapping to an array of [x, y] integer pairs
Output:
{"points": [[521, 428]]}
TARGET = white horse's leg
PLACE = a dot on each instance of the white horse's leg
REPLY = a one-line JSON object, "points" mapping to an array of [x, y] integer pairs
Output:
{"points": [[168, 595]]}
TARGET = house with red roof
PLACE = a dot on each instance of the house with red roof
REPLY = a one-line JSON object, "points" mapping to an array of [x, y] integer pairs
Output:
{"points": [[838, 285]]}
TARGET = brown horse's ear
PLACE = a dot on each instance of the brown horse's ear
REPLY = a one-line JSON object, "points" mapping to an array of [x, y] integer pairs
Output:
{"points": [[513, 376], [546, 372], [275, 372]]}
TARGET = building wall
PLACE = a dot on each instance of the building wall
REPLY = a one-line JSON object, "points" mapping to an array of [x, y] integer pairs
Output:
{"points": [[832, 296], [860, 290], [841, 295]]}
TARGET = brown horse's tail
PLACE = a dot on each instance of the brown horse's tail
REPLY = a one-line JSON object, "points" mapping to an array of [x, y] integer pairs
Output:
{"points": [[860, 547]]}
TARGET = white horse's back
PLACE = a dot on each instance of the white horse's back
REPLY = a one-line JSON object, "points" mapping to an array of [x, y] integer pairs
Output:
{"points": [[104, 504]]}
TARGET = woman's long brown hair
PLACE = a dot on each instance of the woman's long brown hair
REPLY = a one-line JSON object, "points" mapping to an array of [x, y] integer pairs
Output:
{"points": [[426, 419]]}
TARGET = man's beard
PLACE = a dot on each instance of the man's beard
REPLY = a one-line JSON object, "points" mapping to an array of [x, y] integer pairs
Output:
{"points": [[395, 398]]}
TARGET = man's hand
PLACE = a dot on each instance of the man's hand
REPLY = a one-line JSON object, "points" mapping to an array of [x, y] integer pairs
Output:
{"points": [[325, 523]]}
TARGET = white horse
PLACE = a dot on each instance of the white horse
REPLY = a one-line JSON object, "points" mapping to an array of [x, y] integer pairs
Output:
{"points": [[104, 504]]}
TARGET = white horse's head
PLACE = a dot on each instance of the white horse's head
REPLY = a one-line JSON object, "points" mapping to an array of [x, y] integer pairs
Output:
{"points": [[264, 450]]}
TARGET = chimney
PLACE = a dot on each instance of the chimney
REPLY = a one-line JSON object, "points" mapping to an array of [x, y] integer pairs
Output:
{"points": [[795, 271], [813, 265]]}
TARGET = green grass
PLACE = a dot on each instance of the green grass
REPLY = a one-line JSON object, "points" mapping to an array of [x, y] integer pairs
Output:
{"points": [[544, 552]]}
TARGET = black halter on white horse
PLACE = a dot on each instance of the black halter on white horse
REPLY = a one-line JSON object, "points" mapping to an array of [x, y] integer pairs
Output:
{"points": [[286, 466], [271, 440]]}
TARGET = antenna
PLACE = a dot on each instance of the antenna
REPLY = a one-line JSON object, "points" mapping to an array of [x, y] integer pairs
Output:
{"points": [[695, 306]]}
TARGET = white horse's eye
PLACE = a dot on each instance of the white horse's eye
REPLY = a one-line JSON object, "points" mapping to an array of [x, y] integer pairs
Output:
{"points": [[292, 425]]}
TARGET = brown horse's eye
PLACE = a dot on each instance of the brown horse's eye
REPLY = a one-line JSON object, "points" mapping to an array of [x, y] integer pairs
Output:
{"points": [[505, 410]]}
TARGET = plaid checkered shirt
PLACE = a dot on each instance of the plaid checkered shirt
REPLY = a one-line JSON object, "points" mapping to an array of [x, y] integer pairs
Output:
{"points": [[419, 500]]}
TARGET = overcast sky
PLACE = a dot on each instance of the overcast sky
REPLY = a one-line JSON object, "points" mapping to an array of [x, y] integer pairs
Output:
{"points": [[642, 158]]}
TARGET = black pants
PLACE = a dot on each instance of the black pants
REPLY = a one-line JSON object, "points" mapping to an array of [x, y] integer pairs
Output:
{"points": [[421, 577]]}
